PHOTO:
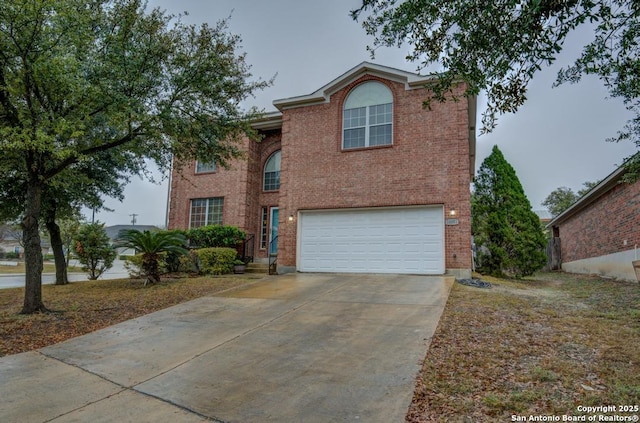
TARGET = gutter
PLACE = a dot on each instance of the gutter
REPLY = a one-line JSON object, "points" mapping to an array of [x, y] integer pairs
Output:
{"points": [[590, 197]]}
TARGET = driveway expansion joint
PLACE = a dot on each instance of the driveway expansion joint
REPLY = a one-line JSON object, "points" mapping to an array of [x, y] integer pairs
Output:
{"points": [[122, 389]]}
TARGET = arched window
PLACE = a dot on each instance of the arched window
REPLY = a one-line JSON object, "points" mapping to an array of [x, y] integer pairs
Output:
{"points": [[272, 173], [367, 117]]}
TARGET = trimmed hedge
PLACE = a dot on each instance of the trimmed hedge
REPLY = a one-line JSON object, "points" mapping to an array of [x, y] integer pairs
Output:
{"points": [[216, 261], [215, 236]]}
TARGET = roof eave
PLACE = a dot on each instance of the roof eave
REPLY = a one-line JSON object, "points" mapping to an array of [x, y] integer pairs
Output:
{"points": [[322, 95], [268, 121], [410, 80], [596, 192]]}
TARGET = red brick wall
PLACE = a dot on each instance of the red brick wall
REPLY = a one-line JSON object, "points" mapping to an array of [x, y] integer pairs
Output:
{"points": [[602, 227], [269, 145], [241, 187], [231, 184], [427, 164]]}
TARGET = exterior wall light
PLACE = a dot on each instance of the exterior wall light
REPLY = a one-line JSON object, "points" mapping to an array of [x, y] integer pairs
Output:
{"points": [[290, 218], [453, 212]]}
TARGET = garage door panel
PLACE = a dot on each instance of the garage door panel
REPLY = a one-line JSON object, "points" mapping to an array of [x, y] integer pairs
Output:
{"points": [[389, 240]]}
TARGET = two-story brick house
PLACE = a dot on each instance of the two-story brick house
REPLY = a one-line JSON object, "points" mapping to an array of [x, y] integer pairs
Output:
{"points": [[355, 177]]}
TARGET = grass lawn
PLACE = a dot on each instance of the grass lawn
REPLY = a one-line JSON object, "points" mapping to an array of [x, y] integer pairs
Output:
{"points": [[83, 307], [543, 346]]}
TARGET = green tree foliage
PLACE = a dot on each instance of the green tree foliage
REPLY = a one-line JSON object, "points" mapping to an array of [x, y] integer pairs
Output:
{"points": [[172, 259], [82, 185], [63, 197], [69, 228], [151, 244], [81, 79], [562, 198], [587, 186], [559, 200], [506, 231], [94, 250], [215, 236], [499, 45]]}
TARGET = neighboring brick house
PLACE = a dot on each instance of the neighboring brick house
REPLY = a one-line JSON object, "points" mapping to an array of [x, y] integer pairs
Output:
{"points": [[599, 233], [355, 177]]}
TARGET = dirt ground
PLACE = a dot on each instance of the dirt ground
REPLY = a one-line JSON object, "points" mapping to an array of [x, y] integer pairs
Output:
{"points": [[549, 345]]}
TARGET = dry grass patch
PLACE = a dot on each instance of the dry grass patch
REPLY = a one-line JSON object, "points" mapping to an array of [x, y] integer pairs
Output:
{"points": [[82, 307], [541, 346]]}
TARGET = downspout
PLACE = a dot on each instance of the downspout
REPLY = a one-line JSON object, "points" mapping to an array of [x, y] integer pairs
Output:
{"points": [[166, 213]]}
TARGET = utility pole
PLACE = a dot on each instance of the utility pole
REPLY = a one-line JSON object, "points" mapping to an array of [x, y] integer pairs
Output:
{"points": [[133, 218]]}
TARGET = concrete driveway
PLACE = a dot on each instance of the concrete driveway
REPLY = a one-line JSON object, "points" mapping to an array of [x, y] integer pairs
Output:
{"points": [[290, 348]]}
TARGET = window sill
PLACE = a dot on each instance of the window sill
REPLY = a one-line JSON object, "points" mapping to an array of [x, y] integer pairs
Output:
{"points": [[375, 147]]}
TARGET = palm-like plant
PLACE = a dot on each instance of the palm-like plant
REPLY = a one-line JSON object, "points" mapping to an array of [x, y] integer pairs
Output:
{"points": [[151, 244]]}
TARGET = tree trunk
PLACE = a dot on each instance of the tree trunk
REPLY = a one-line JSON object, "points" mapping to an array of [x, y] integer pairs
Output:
{"points": [[58, 250], [150, 266], [32, 250]]}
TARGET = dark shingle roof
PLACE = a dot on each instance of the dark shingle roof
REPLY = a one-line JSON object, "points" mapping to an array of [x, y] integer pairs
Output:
{"points": [[113, 231]]}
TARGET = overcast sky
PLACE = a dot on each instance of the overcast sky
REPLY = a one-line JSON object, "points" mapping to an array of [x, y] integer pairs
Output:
{"points": [[556, 139]]}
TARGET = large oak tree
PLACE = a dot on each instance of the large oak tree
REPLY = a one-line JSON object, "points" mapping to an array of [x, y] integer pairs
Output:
{"points": [[497, 46], [81, 78], [562, 198]]}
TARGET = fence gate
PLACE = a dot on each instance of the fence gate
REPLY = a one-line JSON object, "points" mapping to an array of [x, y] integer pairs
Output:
{"points": [[554, 255]]}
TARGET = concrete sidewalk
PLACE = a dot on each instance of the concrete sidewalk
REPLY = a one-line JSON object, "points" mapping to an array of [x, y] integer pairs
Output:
{"points": [[16, 280], [291, 348]]}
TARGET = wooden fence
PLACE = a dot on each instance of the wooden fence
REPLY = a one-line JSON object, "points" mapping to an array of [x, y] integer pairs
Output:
{"points": [[554, 255]]}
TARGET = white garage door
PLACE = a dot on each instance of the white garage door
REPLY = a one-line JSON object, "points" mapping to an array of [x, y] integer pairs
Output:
{"points": [[384, 240]]}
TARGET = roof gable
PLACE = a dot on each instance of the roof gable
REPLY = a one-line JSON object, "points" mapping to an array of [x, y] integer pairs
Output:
{"points": [[322, 95]]}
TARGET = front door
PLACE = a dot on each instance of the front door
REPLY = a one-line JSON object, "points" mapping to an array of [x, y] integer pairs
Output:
{"points": [[273, 234]]}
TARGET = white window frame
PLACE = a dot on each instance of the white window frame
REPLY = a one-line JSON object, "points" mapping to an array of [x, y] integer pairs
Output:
{"points": [[367, 102], [264, 225], [205, 167], [264, 172], [208, 204]]}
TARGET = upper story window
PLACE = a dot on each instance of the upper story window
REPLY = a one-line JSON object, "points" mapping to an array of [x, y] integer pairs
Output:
{"points": [[368, 116], [204, 167], [272, 173]]}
